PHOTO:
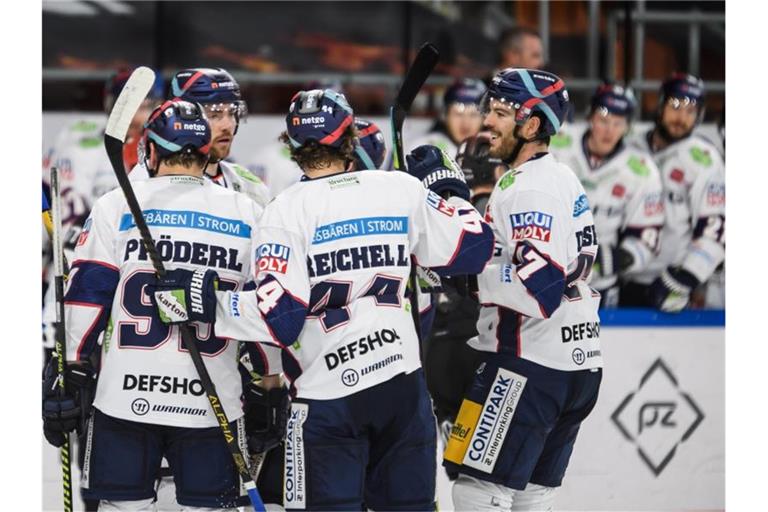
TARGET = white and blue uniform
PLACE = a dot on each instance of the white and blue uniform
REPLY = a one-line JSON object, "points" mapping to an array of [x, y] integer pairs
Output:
{"points": [[539, 329], [147, 382], [333, 257], [625, 195]]}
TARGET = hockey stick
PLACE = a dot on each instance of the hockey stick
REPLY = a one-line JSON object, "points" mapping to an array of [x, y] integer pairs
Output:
{"points": [[48, 223], [60, 343], [417, 74], [134, 92]]}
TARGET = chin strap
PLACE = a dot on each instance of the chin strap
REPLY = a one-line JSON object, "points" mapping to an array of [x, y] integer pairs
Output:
{"points": [[519, 145]]}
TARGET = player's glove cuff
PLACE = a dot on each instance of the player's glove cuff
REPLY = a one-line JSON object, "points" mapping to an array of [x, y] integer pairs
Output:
{"points": [[671, 291], [186, 296], [266, 416], [437, 171]]}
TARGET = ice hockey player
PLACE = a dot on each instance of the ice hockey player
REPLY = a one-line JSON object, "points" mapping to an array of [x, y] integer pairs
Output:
{"points": [[623, 188], [538, 327], [371, 150], [449, 362], [149, 401], [219, 93], [693, 176], [333, 257], [460, 118]]}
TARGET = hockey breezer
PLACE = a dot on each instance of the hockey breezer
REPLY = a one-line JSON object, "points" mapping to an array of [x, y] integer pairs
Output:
{"points": [[417, 74], [127, 103]]}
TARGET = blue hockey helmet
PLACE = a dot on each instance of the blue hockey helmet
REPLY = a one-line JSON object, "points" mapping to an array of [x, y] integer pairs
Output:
{"points": [[684, 87], [319, 115], [116, 81], [177, 126], [371, 150], [613, 99], [529, 91], [465, 91], [213, 88]]}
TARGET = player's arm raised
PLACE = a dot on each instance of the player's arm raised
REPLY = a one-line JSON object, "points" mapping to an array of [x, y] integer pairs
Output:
{"points": [[532, 230], [449, 236]]}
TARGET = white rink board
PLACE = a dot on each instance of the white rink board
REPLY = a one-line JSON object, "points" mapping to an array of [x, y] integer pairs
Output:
{"points": [[606, 470]]}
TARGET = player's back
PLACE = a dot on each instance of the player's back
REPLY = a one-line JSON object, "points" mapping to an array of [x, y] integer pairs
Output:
{"points": [[541, 308], [358, 230], [146, 374]]}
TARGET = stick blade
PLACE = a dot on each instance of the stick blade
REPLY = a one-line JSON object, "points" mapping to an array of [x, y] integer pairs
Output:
{"points": [[422, 66], [136, 89]]}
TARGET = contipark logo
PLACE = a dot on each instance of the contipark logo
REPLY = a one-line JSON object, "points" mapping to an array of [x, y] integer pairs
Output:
{"points": [[495, 421], [294, 481]]}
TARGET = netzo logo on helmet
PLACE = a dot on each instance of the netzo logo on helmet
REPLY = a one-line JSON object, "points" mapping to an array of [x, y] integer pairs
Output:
{"points": [[189, 126]]}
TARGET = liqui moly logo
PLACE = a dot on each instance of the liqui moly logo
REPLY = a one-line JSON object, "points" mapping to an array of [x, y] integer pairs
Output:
{"points": [[272, 258], [531, 225]]}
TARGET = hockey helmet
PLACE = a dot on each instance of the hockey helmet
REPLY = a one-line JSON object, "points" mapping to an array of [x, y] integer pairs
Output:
{"points": [[371, 150], [529, 91], [177, 126], [466, 91], [214, 88], [321, 115], [613, 99], [115, 83]]}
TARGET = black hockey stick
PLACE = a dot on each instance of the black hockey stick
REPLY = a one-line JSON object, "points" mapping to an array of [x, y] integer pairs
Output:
{"points": [[60, 341], [133, 93], [417, 74]]}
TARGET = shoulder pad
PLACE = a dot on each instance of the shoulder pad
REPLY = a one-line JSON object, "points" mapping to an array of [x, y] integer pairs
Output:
{"points": [[245, 173]]}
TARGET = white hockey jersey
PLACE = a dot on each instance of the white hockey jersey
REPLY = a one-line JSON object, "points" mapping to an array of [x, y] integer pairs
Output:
{"points": [[693, 237], [625, 197], [231, 175], [536, 303], [146, 373], [333, 260]]}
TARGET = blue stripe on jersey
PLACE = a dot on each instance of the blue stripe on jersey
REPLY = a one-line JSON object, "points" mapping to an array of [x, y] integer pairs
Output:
{"points": [[472, 252], [287, 316], [92, 283], [360, 227], [291, 368], [546, 284], [189, 219], [508, 331]]}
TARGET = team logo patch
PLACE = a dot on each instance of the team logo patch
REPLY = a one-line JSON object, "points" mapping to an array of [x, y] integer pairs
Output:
{"points": [[677, 175], [532, 225], [494, 421], [439, 204], [653, 205], [581, 205], [716, 194], [272, 258], [618, 191], [84, 233]]}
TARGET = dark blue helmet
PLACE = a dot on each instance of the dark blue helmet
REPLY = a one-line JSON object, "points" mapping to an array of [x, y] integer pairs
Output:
{"points": [[682, 87], [115, 83], [321, 115], [613, 99], [466, 91], [529, 91], [177, 126], [208, 86], [370, 152]]}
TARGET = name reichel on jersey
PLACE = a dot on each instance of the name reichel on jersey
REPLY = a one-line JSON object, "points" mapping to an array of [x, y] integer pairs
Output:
{"points": [[536, 303], [146, 373]]}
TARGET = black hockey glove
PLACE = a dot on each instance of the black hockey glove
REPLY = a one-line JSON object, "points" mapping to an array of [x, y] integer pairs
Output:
{"points": [[437, 171], [186, 296], [64, 413], [671, 291], [266, 416]]}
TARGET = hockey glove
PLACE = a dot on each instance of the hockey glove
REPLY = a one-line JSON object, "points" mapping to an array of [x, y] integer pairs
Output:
{"points": [[186, 296], [437, 171], [64, 413], [266, 416], [671, 291]]}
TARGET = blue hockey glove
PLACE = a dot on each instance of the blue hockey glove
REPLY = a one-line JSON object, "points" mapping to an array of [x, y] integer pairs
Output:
{"points": [[671, 291], [266, 416], [437, 171], [186, 296], [63, 414]]}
